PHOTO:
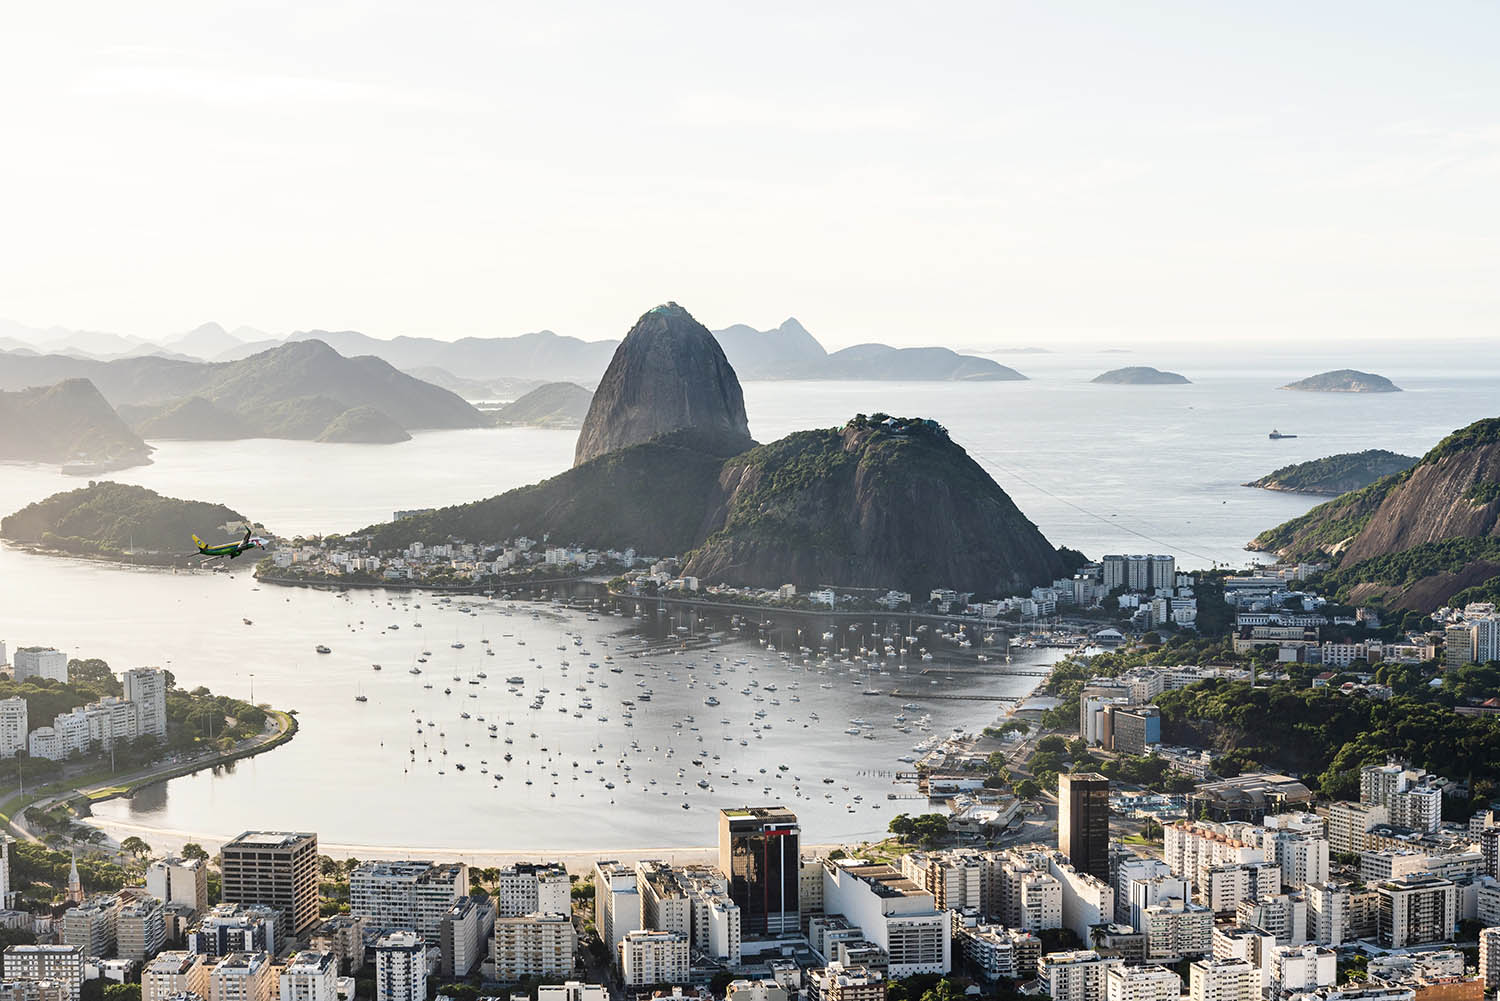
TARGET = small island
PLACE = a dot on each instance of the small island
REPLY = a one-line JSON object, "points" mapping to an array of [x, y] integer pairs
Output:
{"points": [[120, 522], [1336, 474], [1140, 375], [364, 426], [1344, 380], [554, 405]]}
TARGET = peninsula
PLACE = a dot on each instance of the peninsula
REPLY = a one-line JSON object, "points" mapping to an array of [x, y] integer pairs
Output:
{"points": [[1335, 474]]}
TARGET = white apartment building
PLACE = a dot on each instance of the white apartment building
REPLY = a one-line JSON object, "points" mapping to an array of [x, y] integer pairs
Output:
{"points": [[1226, 887], [1191, 849], [40, 662], [464, 936], [1137, 893], [617, 902], [92, 926], [1176, 930], [173, 973], [534, 945], [1409, 794], [654, 957], [412, 895], [242, 976], [532, 888], [141, 928], [1302, 968], [176, 880], [1223, 980], [1348, 824], [1086, 900], [1141, 983], [892, 912], [400, 967], [1082, 975], [1041, 902], [13, 727], [572, 990], [62, 963], [146, 689], [1283, 915], [998, 951], [1327, 913], [1489, 958], [310, 976], [1416, 910], [1303, 858]]}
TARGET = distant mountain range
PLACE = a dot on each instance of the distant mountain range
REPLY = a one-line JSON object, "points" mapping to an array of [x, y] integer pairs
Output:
{"points": [[501, 367], [303, 390]]}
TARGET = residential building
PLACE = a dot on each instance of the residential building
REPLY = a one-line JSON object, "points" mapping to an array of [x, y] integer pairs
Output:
{"points": [[228, 928], [400, 967], [999, 952], [1081, 975], [1349, 824], [664, 903], [310, 976], [1223, 980], [1083, 821], [412, 895], [13, 726], [1177, 930], [141, 929], [40, 662], [1417, 909], [1409, 794], [532, 888], [1296, 968], [759, 851], [1282, 915], [1041, 902], [343, 935], [242, 976], [177, 880], [1086, 900], [276, 868], [892, 912], [837, 982], [1141, 983], [1489, 958], [1134, 729], [464, 935], [617, 903], [1327, 913], [146, 689], [572, 990], [92, 926], [1303, 857], [654, 957], [62, 963], [172, 973], [534, 945]]}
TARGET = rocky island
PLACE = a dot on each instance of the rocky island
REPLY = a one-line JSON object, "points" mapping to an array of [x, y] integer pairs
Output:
{"points": [[1335, 474], [1344, 380], [1140, 375]]}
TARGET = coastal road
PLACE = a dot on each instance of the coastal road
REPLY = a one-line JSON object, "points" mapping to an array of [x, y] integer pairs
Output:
{"points": [[277, 725]]}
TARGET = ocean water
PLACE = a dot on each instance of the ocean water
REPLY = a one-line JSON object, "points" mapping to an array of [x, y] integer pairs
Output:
{"points": [[1098, 468]]}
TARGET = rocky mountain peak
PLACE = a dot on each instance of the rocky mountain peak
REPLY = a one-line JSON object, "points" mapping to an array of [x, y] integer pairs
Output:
{"points": [[667, 374]]}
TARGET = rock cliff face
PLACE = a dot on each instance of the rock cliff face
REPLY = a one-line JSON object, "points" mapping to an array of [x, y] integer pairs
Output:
{"points": [[669, 373], [1454, 492], [880, 502]]}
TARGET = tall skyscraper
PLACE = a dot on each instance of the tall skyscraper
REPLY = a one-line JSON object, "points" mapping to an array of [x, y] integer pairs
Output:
{"points": [[760, 853], [275, 868], [1083, 821]]}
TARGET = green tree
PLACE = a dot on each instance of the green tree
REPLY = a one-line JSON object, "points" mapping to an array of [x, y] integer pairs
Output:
{"points": [[135, 846], [1028, 789], [901, 826], [193, 850], [122, 992]]}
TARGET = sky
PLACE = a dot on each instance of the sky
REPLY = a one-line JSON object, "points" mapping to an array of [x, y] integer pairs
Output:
{"points": [[988, 174]]}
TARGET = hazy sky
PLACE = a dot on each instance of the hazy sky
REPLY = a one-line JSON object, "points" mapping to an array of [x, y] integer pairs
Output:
{"points": [[914, 173]]}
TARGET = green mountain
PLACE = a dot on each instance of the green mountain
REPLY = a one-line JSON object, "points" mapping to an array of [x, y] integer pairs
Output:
{"points": [[555, 405], [1139, 375], [294, 390], [110, 519], [67, 422], [192, 419], [1344, 380], [1336, 474], [879, 502], [1415, 539]]}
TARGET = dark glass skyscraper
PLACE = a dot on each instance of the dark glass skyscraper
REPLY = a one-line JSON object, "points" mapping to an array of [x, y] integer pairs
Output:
{"points": [[760, 853], [1083, 821]]}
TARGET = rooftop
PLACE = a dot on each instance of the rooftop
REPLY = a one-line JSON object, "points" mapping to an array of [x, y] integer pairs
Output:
{"points": [[269, 839]]}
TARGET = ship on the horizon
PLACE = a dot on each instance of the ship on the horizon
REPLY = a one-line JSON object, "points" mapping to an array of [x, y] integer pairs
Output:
{"points": [[1275, 435]]}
